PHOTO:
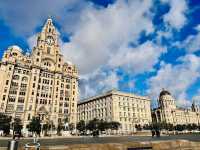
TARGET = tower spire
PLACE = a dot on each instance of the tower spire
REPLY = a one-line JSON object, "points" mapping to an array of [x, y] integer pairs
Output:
{"points": [[49, 18]]}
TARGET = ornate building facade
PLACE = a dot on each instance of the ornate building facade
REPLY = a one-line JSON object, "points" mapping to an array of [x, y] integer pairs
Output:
{"points": [[39, 84], [168, 112], [126, 108]]}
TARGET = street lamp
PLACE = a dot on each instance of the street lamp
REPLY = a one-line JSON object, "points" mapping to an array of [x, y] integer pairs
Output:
{"points": [[13, 124]]}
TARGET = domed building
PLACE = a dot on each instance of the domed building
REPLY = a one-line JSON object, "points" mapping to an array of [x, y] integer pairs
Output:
{"points": [[40, 84], [168, 112]]}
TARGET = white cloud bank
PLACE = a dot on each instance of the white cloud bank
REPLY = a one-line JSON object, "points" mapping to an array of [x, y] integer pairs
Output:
{"points": [[176, 17], [97, 81], [139, 59], [103, 33], [100, 38], [192, 42], [177, 79]]}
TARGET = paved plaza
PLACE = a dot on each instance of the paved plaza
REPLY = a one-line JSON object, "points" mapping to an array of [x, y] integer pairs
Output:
{"points": [[89, 140]]}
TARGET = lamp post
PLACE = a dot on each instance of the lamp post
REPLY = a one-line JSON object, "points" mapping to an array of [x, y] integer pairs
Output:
{"points": [[13, 125], [13, 144]]}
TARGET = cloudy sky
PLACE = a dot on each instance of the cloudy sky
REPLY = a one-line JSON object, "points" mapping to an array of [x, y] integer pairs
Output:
{"points": [[138, 46]]}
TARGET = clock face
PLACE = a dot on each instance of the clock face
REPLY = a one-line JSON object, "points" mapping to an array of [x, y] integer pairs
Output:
{"points": [[50, 40]]}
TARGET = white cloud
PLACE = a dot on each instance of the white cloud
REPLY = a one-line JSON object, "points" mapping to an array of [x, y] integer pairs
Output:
{"points": [[98, 81], [196, 98], [32, 41], [25, 15], [138, 59], [176, 17], [102, 32], [183, 103], [101, 39], [177, 79], [192, 42]]}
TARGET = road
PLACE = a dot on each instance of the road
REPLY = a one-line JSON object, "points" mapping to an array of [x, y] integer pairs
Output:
{"points": [[88, 140]]}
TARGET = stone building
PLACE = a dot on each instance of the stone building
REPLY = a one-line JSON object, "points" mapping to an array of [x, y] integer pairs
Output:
{"points": [[168, 112], [125, 108], [39, 84]]}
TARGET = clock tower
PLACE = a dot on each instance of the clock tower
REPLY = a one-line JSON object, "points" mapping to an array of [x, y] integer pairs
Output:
{"points": [[48, 39], [41, 84], [47, 50]]}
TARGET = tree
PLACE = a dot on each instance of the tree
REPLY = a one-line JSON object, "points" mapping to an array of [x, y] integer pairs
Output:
{"points": [[180, 127], [17, 125], [147, 127], [81, 127], [191, 126], [71, 127], [114, 125], [103, 125], [169, 127], [46, 127], [5, 123], [161, 125], [93, 126], [59, 128], [35, 126], [138, 127]]}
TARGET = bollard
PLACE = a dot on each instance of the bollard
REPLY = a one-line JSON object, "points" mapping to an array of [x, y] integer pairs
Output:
{"points": [[13, 145], [32, 145]]}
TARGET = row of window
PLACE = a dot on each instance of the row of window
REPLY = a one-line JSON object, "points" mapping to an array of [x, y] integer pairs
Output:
{"points": [[12, 99], [133, 99], [22, 71], [43, 101], [17, 77], [133, 109], [135, 104]]}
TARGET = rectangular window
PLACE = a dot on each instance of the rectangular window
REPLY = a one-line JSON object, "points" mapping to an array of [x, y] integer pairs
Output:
{"points": [[4, 97], [20, 100], [29, 116]]}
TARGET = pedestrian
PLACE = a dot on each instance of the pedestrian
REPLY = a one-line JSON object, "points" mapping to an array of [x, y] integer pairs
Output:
{"points": [[157, 133], [153, 133]]}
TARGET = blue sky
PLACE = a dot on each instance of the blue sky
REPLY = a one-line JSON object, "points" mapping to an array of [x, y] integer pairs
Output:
{"points": [[138, 46]]}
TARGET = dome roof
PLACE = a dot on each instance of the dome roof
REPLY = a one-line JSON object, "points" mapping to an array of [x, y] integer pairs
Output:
{"points": [[69, 62], [15, 47], [164, 92]]}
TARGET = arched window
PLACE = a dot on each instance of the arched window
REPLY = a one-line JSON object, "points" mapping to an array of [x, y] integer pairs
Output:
{"points": [[14, 54], [16, 77], [24, 79]]}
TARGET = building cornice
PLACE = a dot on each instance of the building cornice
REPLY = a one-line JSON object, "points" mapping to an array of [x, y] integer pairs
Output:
{"points": [[110, 93]]}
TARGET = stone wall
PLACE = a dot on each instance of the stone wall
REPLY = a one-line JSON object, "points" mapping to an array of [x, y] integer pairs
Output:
{"points": [[158, 145]]}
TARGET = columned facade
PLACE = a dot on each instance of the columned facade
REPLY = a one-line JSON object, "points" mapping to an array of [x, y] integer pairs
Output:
{"points": [[125, 108]]}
